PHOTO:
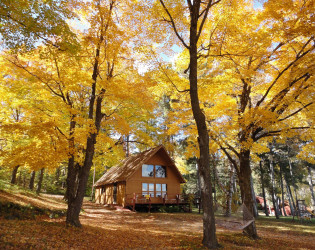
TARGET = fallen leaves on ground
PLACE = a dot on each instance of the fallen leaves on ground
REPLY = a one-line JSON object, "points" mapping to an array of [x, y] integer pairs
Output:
{"points": [[105, 228]]}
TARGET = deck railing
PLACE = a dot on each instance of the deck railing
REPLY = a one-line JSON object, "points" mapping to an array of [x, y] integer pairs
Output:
{"points": [[138, 198]]}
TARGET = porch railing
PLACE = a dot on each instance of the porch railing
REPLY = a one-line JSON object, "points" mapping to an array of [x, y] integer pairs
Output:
{"points": [[138, 198]]}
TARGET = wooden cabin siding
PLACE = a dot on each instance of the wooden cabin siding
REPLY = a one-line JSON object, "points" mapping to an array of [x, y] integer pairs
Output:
{"points": [[107, 197], [127, 179], [121, 192], [134, 183], [98, 195]]}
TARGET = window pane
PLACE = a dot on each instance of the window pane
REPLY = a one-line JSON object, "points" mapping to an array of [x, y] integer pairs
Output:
{"points": [[158, 187], [144, 186], [160, 171], [151, 187], [164, 188], [144, 193], [158, 194], [147, 170], [151, 194]]}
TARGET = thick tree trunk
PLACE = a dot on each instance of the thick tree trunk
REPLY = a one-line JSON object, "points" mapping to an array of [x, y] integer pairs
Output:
{"points": [[274, 198], [282, 192], [32, 179], [310, 182], [246, 192], [77, 185], [40, 181], [14, 172], [75, 200], [263, 188]]}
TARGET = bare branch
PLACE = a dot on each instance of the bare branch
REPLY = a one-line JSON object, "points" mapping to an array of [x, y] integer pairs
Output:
{"points": [[60, 131], [296, 112], [205, 13], [36, 34], [36, 76], [173, 25], [234, 163], [298, 57], [165, 73], [277, 132]]}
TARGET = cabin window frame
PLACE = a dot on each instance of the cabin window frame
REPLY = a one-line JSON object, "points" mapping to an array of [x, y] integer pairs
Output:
{"points": [[162, 192], [143, 170], [147, 190], [155, 171]]}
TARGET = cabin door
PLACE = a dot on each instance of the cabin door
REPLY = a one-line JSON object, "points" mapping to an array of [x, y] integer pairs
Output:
{"points": [[115, 193]]}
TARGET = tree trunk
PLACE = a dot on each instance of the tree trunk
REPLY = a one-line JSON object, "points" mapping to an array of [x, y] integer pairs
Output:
{"points": [[246, 192], [92, 191], [279, 206], [230, 193], [209, 229], [310, 182], [14, 172], [214, 185], [293, 184], [263, 188], [282, 192], [57, 175], [32, 179], [254, 197], [293, 209], [78, 185], [289, 197], [24, 179], [274, 198], [40, 181]]}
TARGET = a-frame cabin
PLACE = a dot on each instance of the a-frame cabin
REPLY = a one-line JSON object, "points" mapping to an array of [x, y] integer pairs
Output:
{"points": [[149, 177]]}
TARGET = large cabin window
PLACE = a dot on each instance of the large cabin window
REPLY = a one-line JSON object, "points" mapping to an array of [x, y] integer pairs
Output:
{"points": [[160, 171], [147, 170], [157, 171]]}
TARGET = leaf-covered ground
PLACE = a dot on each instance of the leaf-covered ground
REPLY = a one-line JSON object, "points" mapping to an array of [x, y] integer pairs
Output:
{"points": [[105, 228]]}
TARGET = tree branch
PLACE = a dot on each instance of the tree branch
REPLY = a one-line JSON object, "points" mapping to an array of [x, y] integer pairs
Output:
{"points": [[298, 57], [205, 13], [173, 25]]}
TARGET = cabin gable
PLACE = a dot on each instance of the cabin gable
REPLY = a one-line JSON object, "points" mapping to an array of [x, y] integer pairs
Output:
{"points": [[126, 182], [134, 184]]}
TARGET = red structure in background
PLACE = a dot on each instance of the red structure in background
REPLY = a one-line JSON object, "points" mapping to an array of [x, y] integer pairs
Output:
{"points": [[260, 201]]}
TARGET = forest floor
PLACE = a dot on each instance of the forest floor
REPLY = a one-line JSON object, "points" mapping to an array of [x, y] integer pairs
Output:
{"points": [[28, 221]]}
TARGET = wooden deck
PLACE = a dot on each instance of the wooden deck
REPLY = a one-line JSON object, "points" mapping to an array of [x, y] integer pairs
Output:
{"points": [[138, 200]]}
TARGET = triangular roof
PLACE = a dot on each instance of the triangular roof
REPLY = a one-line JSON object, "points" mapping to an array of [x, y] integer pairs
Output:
{"points": [[127, 167]]}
